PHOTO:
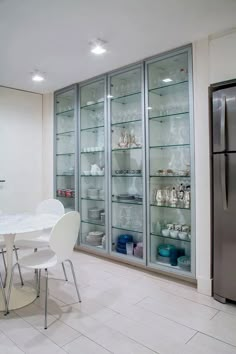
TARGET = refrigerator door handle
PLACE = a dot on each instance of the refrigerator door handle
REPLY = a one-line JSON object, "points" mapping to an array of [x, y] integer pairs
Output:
{"points": [[223, 124], [223, 162]]}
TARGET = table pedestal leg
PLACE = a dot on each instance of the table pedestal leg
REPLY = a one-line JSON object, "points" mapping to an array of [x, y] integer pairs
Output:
{"points": [[20, 296]]}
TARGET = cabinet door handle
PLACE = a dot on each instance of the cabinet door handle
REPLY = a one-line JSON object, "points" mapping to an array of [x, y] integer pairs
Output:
{"points": [[2, 180], [223, 172], [223, 124]]}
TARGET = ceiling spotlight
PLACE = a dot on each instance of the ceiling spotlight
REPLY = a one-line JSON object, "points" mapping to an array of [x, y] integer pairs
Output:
{"points": [[149, 108], [167, 80], [37, 76], [97, 46]]}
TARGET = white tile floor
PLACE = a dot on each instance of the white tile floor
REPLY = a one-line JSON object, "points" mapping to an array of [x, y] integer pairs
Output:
{"points": [[123, 311]]}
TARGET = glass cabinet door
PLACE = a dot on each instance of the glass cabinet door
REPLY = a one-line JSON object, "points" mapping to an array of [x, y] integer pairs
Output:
{"points": [[93, 165], [65, 147], [127, 192], [169, 163]]}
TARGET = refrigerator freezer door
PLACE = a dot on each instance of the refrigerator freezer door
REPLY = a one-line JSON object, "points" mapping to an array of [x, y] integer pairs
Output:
{"points": [[224, 120], [224, 227]]}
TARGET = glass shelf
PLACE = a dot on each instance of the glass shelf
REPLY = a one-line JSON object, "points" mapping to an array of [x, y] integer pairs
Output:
{"points": [[164, 90], [91, 152], [131, 97], [170, 206], [122, 201], [127, 122], [94, 106], [126, 175], [169, 176], [168, 116], [171, 238], [125, 229], [67, 113], [130, 257], [93, 199], [65, 175], [90, 128], [169, 146], [66, 154], [60, 196], [92, 175], [168, 265], [69, 133], [127, 149], [93, 222]]}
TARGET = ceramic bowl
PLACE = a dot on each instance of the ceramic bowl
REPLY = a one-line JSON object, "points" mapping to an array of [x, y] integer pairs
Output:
{"points": [[174, 233], [183, 235], [164, 250], [165, 232]]}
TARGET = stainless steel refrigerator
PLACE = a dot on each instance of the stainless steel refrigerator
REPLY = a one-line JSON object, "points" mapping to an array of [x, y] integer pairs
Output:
{"points": [[223, 127]]}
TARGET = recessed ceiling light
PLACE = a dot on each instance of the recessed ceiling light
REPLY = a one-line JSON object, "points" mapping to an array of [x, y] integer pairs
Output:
{"points": [[37, 76], [98, 47], [167, 80], [149, 108]]}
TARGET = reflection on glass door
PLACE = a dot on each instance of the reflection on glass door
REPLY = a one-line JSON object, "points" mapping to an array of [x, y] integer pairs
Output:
{"points": [[169, 163], [65, 147], [127, 166], [93, 165]]}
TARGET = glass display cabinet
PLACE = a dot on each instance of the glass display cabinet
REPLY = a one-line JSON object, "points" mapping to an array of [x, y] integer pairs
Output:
{"points": [[127, 162], [169, 163], [127, 171], [65, 147], [93, 164]]}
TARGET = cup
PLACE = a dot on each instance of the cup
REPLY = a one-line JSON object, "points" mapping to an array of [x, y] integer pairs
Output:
{"points": [[178, 227], [129, 248], [170, 226]]}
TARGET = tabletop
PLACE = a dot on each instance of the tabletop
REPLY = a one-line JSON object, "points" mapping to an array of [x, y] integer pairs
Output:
{"points": [[21, 223]]}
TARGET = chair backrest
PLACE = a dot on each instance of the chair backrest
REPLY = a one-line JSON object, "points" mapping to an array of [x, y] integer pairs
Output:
{"points": [[64, 235], [51, 206]]}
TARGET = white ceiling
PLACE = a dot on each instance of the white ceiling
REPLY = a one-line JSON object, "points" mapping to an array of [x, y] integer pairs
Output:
{"points": [[53, 35]]}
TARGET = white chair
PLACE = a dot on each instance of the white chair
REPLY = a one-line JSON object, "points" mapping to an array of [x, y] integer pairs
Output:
{"points": [[60, 250], [49, 206]]}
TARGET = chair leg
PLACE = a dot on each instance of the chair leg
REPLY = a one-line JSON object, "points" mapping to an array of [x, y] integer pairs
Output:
{"points": [[5, 267], [64, 270], [46, 301], [3, 294], [38, 285], [10, 287], [17, 259], [74, 277]]}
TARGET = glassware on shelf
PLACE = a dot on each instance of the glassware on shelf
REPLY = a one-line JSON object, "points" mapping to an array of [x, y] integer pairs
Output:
{"points": [[92, 164]]}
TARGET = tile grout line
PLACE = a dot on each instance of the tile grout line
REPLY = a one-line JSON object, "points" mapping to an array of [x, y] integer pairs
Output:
{"points": [[219, 340], [42, 332], [92, 340], [191, 337], [215, 315], [190, 300], [13, 342]]}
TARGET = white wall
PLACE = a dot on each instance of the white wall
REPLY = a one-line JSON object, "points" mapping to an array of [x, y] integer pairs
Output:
{"points": [[202, 165], [222, 57], [20, 150]]}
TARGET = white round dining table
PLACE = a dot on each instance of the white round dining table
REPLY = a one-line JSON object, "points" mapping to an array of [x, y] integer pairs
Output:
{"points": [[12, 225]]}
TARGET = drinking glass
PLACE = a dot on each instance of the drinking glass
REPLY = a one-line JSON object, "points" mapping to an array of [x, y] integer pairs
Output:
{"points": [[130, 248]]}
